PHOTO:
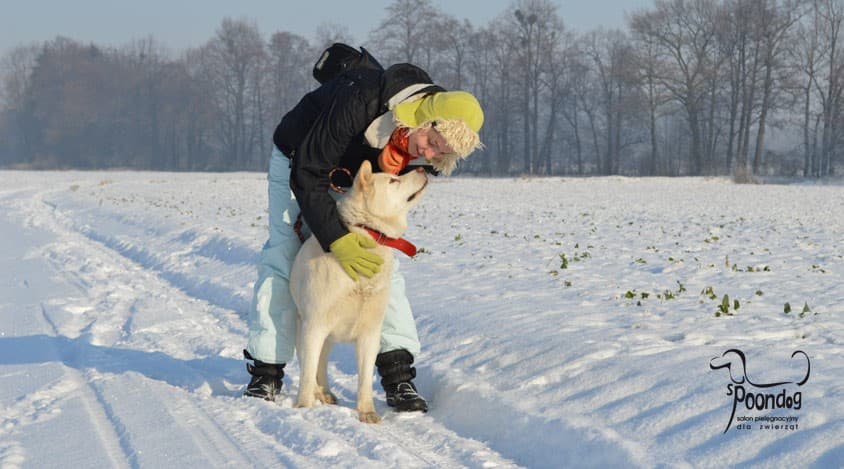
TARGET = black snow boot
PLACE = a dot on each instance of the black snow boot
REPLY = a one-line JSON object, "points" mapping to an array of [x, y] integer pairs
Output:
{"points": [[396, 375], [266, 379]]}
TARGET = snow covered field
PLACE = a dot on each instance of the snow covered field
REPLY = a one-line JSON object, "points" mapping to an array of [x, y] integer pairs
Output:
{"points": [[564, 323]]}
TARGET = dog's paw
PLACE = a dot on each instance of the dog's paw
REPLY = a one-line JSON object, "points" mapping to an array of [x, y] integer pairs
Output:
{"points": [[326, 397], [369, 417], [304, 403]]}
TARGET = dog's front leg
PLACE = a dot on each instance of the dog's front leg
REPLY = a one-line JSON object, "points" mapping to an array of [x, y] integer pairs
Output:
{"points": [[367, 351], [310, 342]]}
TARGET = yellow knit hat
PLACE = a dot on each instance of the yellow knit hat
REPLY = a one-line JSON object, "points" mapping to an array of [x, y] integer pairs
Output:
{"points": [[457, 116]]}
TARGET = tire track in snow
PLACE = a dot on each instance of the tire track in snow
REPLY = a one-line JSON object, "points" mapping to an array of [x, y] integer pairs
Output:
{"points": [[103, 401], [42, 211], [172, 429], [109, 430], [133, 244], [208, 434]]}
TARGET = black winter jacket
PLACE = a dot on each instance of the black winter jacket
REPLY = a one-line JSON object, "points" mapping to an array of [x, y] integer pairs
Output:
{"points": [[325, 130]]}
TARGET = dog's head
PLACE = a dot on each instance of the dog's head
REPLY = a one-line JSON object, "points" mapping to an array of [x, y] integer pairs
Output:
{"points": [[381, 200]]}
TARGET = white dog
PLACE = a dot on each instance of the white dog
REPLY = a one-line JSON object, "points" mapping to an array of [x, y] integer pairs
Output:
{"points": [[334, 308]]}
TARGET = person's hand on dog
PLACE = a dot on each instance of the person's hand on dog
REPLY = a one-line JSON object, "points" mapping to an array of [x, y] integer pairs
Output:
{"points": [[352, 253]]}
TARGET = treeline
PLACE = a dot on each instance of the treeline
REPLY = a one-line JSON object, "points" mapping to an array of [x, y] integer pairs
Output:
{"points": [[689, 87]]}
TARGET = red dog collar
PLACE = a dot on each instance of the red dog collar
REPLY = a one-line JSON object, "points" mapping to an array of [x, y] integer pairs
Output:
{"points": [[400, 244]]}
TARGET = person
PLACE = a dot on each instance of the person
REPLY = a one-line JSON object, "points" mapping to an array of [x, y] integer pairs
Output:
{"points": [[398, 119]]}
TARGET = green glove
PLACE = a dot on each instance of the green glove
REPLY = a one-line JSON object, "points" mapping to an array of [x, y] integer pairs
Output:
{"points": [[351, 252]]}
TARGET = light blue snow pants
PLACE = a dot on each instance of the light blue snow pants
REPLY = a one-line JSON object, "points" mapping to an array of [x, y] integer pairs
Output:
{"points": [[272, 318]]}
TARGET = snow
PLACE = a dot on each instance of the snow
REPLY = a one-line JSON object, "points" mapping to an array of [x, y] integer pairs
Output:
{"points": [[124, 297]]}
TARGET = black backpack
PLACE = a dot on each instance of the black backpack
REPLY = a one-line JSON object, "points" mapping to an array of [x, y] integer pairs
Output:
{"points": [[340, 57]]}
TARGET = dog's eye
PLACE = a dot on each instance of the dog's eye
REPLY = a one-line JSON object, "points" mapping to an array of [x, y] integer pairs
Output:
{"points": [[395, 180]]}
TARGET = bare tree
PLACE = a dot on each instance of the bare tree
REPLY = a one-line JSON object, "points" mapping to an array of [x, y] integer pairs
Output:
{"points": [[555, 74], [502, 83], [453, 43], [328, 33], [76, 104], [683, 29], [482, 75], [145, 60], [776, 22], [749, 68], [717, 101], [533, 27], [830, 85], [648, 69], [16, 67], [232, 62], [406, 33], [732, 44], [15, 72], [611, 56], [805, 54], [288, 77], [575, 100]]}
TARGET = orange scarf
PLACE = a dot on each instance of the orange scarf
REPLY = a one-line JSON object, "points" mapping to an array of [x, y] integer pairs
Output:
{"points": [[394, 157]]}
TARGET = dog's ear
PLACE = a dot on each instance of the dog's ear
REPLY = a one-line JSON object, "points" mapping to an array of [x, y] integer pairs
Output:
{"points": [[363, 180]]}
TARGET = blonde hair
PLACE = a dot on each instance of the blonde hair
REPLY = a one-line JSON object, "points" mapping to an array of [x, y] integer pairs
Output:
{"points": [[458, 136]]}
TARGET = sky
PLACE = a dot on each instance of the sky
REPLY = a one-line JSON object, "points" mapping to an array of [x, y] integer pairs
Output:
{"points": [[182, 24]]}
